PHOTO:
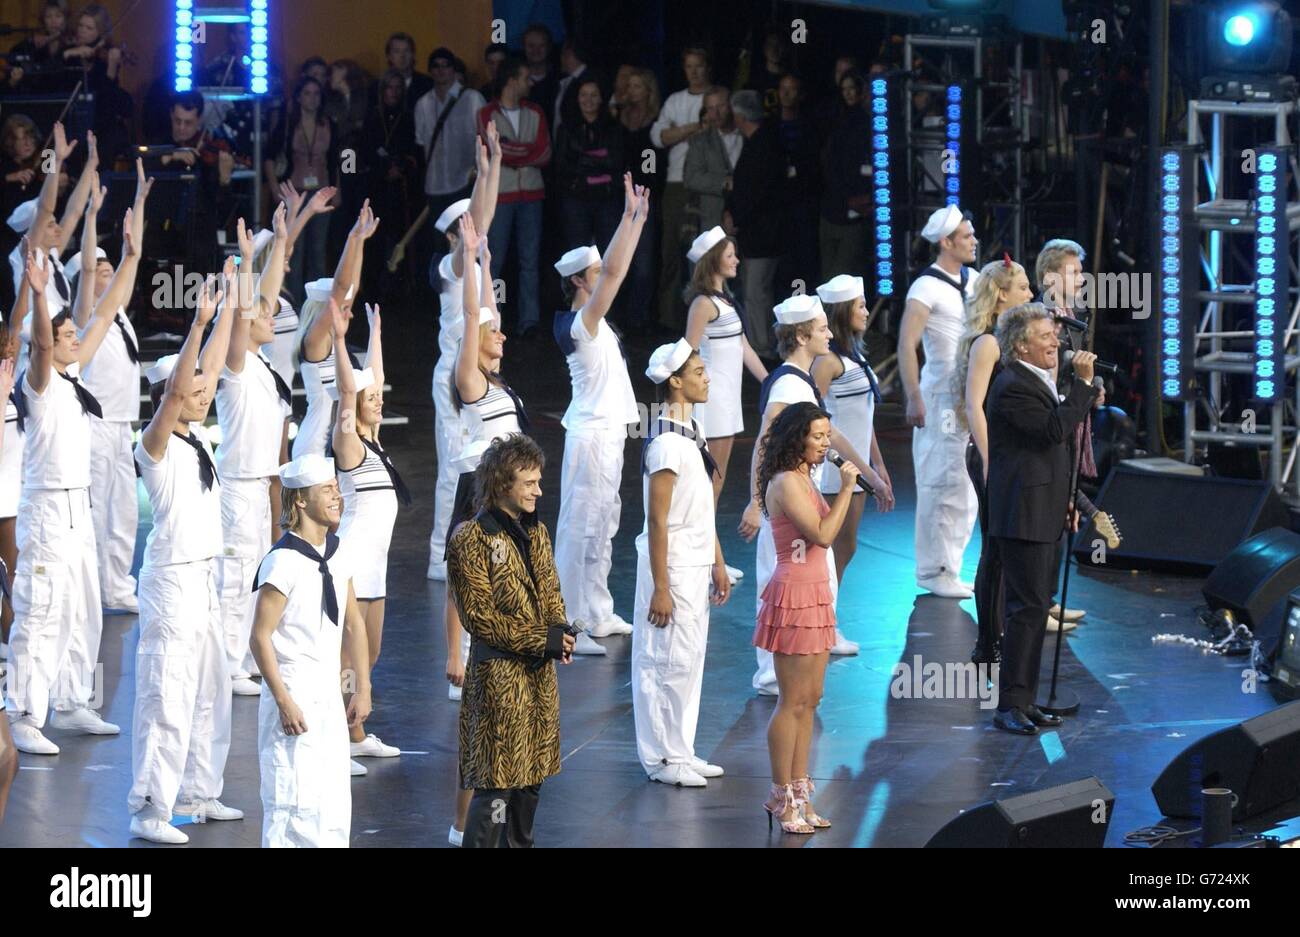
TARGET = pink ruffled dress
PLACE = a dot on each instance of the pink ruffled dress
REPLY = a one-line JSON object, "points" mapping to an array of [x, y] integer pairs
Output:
{"points": [[797, 610]]}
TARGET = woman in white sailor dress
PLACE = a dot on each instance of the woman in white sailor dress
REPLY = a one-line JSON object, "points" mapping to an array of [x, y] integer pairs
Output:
{"points": [[372, 491], [715, 327], [315, 348], [490, 410], [851, 392], [306, 614]]}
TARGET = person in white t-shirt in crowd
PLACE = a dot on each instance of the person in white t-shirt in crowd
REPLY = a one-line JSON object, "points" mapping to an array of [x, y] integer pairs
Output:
{"points": [[681, 118], [54, 644], [450, 271], [180, 732], [446, 130], [114, 379], [802, 335], [595, 425], [253, 409], [679, 573], [935, 315]]}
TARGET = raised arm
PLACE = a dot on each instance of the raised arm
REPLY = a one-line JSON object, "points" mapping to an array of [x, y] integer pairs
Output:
{"points": [[81, 192], [321, 203], [49, 197], [42, 353], [272, 279], [348, 450], [483, 199], [116, 296], [375, 350], [470, 382], [218, 343], [22, 304], [88, 261], [180, 384], [237, 352], [618, 255]]}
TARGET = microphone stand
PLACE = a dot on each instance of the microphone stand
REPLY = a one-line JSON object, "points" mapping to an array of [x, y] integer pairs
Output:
{"points": [[1062, 701]]}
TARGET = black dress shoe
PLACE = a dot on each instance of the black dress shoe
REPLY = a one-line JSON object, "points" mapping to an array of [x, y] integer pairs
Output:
{"points": [[1014, 720], [1040, 718], [985, 655]]}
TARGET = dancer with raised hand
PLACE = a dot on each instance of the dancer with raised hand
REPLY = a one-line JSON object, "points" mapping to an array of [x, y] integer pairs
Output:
{"points": [[54, 644], [491, 410], [372, 492], [851, 392], [180, 732], [306, 621], [114, 379], [449, 428], [253, 409], [595, 424], [315, 339], [679, 573]]}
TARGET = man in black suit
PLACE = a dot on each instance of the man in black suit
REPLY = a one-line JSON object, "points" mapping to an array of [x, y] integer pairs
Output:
{"points": [[1031, 459]]}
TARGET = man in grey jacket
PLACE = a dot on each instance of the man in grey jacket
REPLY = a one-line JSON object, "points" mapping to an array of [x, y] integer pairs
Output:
{"points": [[710, 158]]}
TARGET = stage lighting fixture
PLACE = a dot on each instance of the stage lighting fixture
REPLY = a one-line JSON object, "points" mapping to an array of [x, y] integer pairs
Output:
{"points": [[1177, 271], [952, 146], [1272, 272], [258, 47], [183, 69], [1247, 38], [882, 200]]}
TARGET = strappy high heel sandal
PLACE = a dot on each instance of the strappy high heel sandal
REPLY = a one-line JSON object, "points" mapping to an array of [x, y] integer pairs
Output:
{"points": [[780, 799], [803, 790]]}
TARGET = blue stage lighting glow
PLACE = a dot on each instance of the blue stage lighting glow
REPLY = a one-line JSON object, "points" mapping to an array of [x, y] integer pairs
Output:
{"points": [[880, 180], [1272, 269], [1239, 29], [1171, 365]]}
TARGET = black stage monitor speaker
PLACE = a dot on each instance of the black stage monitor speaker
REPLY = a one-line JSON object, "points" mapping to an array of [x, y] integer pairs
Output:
{"points": [[1256, 576], [1258, 760], [1187, 522], [1069, 815]]}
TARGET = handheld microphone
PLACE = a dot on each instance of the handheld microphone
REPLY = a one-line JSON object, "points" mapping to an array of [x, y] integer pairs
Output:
{"points": [[837, 460], [1098, 365], [1070, 323]]}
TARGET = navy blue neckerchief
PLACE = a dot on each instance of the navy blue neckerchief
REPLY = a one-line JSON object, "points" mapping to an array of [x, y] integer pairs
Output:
{"points": [[281, 388], [20, 402], [131, 351], [89, 405], [856, 357], [399, 486], [329, 601], [766, 389], [563, 330], [207, 471], [692, 432], [940, 275]]}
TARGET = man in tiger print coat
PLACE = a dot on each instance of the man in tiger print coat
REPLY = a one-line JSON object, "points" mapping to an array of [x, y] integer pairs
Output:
{"points": [[502, 572]]}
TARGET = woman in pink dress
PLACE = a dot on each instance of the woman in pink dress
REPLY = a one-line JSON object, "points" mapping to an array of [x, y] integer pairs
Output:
{"points": [[796, 620]]}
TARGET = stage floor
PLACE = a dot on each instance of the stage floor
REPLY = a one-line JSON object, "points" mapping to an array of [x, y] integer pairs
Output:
{"points": [[890, 771]]}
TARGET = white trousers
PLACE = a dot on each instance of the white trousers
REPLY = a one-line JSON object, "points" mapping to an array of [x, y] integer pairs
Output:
{"points": [[246, 536], [180, 733], [449, 432], [115, 507], [54, 643], [764, 567], [668, 665], [306, 779], [946, 506], [589, 515]]}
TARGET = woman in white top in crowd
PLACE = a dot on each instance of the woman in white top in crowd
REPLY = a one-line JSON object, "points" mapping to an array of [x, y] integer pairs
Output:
{"points": [[315, 349], [851, 392], [715, 327], [11, 457], [372, 491], [491, 410], [448, 428]]}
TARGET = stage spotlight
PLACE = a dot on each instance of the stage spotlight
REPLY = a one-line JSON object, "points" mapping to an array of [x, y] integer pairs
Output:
{"points": [[1248, 38], [1272, 272], [183, 68], [883, 202], [1177, 274]]}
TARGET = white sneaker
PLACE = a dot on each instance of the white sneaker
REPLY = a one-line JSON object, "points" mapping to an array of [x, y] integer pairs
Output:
{"points": [[704, 769], [210, 809], [584, 645], [437, 572], [455, 836], [373, 747], [678, 775], [85, 721], [359, 770], [156, 831], [1054, 624], [946, 587], [768, 689], [615, 625], [843, 646], [735, 575], [245, 686], [29, 740], [453, 691], [1071, 614]]}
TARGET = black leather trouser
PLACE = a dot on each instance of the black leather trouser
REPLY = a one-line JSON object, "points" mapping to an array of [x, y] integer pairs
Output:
{"points": [[988, 576], [501, 818]]}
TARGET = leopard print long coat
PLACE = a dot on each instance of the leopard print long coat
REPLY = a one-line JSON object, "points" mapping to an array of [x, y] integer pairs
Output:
{"points": [[509, 711]]}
